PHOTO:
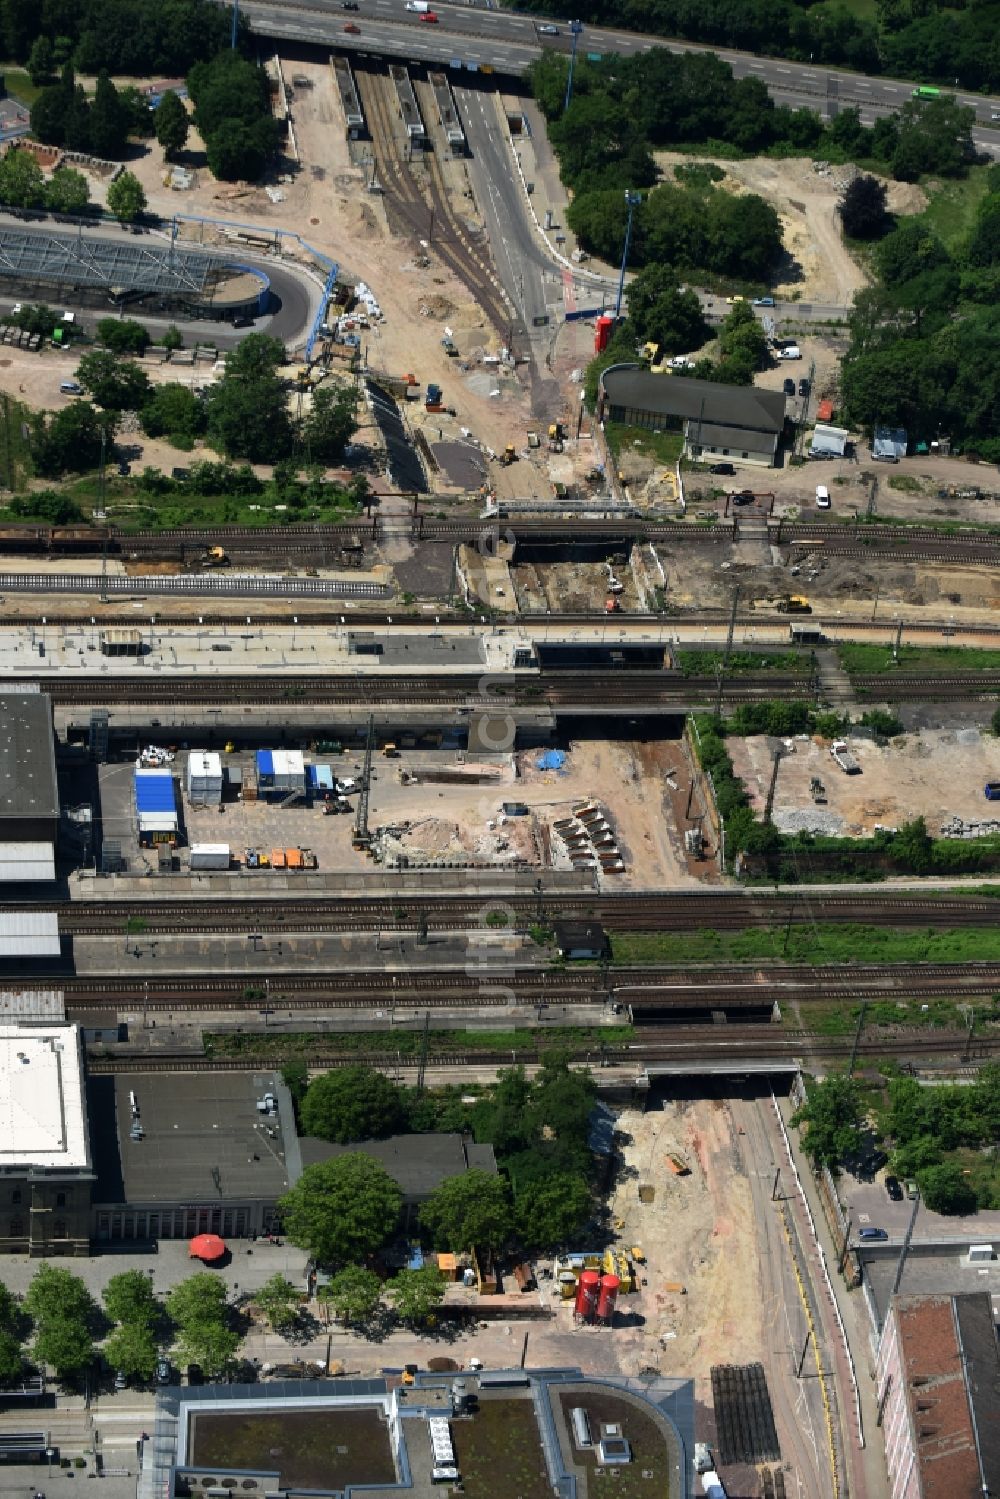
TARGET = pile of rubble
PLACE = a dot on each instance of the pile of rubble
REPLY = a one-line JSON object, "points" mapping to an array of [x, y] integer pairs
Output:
{"points": [[957, 827]]}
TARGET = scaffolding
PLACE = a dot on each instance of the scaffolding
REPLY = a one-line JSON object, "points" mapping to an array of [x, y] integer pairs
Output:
{"points": [[117, 270]]}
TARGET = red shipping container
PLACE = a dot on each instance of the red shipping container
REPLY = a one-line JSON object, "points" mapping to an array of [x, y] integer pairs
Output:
{"points": [[602, 333]]}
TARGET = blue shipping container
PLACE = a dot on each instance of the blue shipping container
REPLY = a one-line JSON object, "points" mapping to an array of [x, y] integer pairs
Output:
{"points": [[324, 777], [265, 765], [155, 793]]}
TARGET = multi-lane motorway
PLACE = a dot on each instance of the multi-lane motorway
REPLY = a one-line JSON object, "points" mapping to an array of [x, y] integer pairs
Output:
{"points": [[508, 42]]}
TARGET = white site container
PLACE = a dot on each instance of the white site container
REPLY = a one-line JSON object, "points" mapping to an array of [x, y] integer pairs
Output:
{"points": [[289, 770], [204, 777], [210, 856]]}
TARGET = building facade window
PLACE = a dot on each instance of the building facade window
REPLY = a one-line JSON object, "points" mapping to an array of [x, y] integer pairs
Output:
{"points": [[15, 1196], [60, 1199]]}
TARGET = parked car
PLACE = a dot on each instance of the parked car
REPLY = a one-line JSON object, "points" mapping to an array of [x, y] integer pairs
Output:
{"points": [[722, 468], [744, 497], [790, 351], [910, 1187], [789, 387], [872, 1233], [430, 15], [351, 27], [893, 1188], [164, 1373], [763, 301], [351, 5], [345, 787], [992, 791], [803, 386], [121, 1380], [823, 501], [548, 30]]}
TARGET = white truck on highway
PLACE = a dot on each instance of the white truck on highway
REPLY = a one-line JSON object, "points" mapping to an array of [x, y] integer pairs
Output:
{"points": [[420, 6]]}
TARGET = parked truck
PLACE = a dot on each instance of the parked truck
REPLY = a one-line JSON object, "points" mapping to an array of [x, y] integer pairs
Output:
{"points": [[844, 758], [210, 856]]}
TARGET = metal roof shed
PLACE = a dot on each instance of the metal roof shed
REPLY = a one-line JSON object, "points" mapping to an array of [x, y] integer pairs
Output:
{"points": [[889, 444], [29, 934], [828, 442], [154, 792], [26, 861]]}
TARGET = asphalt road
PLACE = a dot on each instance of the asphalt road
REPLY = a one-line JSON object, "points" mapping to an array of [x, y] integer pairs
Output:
{"points": [[508, 42]]}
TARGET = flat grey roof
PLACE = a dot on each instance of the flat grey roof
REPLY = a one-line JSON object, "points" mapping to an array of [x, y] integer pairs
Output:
{"points": [[679, 396], [423, 650], [29, 934], [27, 756], [946, 1272], [195, 1125], [713, 435], [419, 1163], [978, 1334]]}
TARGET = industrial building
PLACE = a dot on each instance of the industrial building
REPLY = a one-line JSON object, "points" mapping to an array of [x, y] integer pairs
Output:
{"points": [[204, 777], [29, 795], [45, 1161], [281, 774], [938, 1378], [718, 421]]}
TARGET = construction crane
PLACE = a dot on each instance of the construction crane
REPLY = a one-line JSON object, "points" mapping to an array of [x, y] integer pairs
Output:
{"points": [[362, 837]]}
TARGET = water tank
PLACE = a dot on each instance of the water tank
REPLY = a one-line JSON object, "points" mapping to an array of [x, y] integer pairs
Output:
{"points": [[587, 1293], [608, 1297]]}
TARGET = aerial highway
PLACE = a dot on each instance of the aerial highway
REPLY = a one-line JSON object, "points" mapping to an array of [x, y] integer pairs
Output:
{"points": [[504, 41]]}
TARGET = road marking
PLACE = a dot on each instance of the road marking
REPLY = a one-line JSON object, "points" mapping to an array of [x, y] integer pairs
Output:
{"points": [[757, 65], [864, 85], [784, 70], [890, 88]]}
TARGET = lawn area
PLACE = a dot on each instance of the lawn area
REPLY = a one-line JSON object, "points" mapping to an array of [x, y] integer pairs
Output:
{"points": [[647, 1476], [317, 1449], [19, 85], [409, 1043], [841, 943], [831, 1018], [867, 659], [662, 447], [706, 663], [951, 211], [499, 1452]]}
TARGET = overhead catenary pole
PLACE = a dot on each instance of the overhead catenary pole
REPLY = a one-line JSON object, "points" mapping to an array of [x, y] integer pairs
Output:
{"points": [[236, 24], [575, 28], [632, 201]]}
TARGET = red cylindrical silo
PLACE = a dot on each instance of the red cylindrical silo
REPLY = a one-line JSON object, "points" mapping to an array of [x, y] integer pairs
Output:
{"points": [[608, 1297], [587, 1292]]}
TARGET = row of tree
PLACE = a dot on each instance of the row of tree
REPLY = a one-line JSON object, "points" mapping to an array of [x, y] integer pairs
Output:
{"points": [[920, 39], [245, 414], [64, 115], [23, 185], [139, 38], [920, 1126], [232, 109], [345, 1209], [924, 352]]}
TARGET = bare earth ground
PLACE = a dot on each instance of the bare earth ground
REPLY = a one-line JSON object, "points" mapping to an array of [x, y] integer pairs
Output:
{"points": [[818, 268], [935, 774]]}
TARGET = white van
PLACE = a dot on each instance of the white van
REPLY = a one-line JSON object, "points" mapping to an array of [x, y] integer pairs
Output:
{"points": [[822, 497]]}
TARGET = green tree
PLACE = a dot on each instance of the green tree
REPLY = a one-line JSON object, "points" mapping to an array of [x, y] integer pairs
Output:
{"points": [[862, 209], [175, 411], [22, 184], [116, 384], [354, 1293], [11, 1353], [128, 1297], [468, 1210], [211, 1345], [549, 1212], [126, 198], [280, 1302], [199, 1298], [57, 1295], [172, 125], [108, 121], [352, 1103], [416, 1294], [342, 1210], [561, 1099], [68, 442], [40, 61], [123, 335], [330, 423], [131, 1348], [49, 114], [66, 1345], [995, 722], [173, 338], [659, 311], [832, 1114], [67, 191], [946, 1189], [247, 409]]}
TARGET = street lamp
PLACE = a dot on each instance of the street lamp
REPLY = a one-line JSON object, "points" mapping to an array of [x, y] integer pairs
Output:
{"points": [[236, 24], [575, 27], [632, 201]]}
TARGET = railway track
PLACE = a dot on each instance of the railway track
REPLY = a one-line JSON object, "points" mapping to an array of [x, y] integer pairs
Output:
{"points": [[444, 913], [638, 988], [740, 1042], [433, 223], [635, 689]]}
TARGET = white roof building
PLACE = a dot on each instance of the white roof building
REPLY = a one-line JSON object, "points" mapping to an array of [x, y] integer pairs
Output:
{"points": [[43, 1121]]}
